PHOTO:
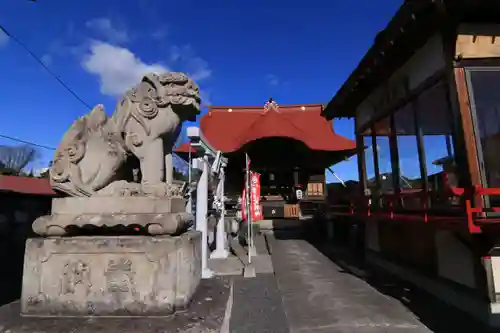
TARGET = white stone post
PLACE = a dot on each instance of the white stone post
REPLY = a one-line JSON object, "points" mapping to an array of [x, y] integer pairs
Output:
{"points": [[201, 217], [189, 205], [221, 251], [169, 168]]}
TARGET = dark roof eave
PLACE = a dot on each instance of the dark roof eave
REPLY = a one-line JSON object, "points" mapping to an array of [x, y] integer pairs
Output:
{"points": [[45, 194], [408, 24], [379, 62]]}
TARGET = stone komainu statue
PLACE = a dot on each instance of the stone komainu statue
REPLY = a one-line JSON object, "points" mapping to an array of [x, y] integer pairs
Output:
{"points": [[97, 154]]}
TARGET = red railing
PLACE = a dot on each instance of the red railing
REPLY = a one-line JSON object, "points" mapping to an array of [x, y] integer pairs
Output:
{"points": [[475, 211], [417, 205]]}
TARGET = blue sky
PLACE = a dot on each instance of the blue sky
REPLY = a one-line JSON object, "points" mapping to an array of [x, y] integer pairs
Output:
{"points": [[240, 53]]}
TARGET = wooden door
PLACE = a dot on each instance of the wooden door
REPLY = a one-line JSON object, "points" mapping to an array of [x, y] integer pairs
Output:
{"points": [[292, 211]]}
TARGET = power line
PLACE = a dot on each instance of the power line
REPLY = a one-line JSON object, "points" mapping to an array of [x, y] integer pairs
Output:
{"points": [[26, 142], [52, 148], [37, 59], [54, 75]]}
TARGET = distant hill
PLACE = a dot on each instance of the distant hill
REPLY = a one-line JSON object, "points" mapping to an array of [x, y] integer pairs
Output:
{"points": [[339, 194], [386, 182]]}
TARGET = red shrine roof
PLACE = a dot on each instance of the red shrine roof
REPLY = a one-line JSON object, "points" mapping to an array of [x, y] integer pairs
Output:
{"points": [[228, 128], [26, 185]]}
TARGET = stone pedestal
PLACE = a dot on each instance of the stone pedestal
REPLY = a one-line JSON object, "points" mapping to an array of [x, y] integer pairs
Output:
{"points": [[159, 216], [110, 276]]}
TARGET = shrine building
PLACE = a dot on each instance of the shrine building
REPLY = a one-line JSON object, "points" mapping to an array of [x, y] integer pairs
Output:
{"points": [[289, 145], [425, 102]]}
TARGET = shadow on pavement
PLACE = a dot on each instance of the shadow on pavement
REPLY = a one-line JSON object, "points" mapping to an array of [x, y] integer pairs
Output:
{"points": [[438, 316]]}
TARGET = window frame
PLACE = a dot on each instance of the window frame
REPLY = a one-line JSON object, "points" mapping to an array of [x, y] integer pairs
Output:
{"points": [[468, 70], [394, 149], [474, 117]]}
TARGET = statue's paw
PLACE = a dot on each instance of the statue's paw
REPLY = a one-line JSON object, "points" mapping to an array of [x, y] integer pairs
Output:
{"points": [[120, 188], [175, 190], [155, 190], [161, 190]]}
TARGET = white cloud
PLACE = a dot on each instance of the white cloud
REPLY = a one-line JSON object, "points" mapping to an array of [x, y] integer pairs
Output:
{"points": [[196, 67], [47, 59], [4, 39], [160, 33], [175, 53], [107, 30], [205, 98], [272, 80], [118, 68]]}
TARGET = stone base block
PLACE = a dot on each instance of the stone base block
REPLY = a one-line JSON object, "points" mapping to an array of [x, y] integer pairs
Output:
{"points": [[159, 216], [110, 276], [117, 205]]}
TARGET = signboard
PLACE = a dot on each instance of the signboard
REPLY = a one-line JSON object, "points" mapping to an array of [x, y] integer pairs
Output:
{"points": [[255, 196], [255, 208]]}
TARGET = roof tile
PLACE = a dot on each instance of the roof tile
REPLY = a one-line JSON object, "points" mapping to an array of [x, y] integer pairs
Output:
{"points": [[229, 128]]}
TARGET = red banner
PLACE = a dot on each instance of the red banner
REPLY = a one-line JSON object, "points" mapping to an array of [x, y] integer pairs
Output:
{"points": [[255, 197], [255, 207]]}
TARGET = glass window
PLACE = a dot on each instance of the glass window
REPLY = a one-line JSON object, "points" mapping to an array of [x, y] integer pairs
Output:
{"points": [[382, 131], [369, 163], [436, 124], [485, 98], [410, 177]]}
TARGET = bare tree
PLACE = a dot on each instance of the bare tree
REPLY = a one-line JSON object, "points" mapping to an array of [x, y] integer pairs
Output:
{"points": [[13, 159]]}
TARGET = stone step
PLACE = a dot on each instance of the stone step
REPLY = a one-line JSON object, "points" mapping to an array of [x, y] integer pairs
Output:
{"points": [[239, 251], [260, 244], [227, 266]]}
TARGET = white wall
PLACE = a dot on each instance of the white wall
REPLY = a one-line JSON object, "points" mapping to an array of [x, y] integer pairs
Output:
{"points": [[478, 41]]}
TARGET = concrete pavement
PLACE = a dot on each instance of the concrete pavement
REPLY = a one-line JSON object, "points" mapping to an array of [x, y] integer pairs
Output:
{"points": [[320, 296]]}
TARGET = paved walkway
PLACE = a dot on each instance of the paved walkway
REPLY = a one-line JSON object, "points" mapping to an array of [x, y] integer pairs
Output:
{"points": [[320, 296], [308, 292]]}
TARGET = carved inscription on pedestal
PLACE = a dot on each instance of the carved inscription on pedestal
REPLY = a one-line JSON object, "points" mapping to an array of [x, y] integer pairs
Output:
{"points": [[120, 276], [76, 274]]}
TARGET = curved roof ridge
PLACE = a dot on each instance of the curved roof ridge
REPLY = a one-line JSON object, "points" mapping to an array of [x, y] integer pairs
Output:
{"points": [[263, 118], [226, 130]]}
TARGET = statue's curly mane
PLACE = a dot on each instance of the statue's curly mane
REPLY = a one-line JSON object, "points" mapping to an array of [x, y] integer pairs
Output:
{"points": [[154, 92]]}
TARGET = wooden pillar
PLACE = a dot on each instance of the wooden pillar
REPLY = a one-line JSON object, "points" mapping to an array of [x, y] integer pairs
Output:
{"points": [[360, 151], [393, 143], [420, 143], [375, 160]]}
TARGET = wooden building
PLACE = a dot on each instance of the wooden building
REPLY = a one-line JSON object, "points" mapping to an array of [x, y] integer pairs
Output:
{"points": [[22, 200], [289, 145], [431, 80]]}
